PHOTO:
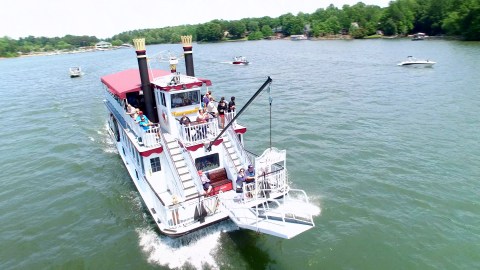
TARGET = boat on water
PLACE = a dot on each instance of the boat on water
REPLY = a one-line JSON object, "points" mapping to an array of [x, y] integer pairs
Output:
{"points": [[75, 72], [298, 37], [240, 60], [419, 36], [414, 62], [166, 160]]}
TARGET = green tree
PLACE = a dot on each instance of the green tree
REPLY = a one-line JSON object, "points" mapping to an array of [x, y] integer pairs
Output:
{"points": [[209, 32], [257, 35], [267, 31], [237, 29]]}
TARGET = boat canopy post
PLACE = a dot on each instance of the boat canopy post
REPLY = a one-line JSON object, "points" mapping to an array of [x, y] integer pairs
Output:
{"points": [[267, 82], [187, 52], [144, 78]]}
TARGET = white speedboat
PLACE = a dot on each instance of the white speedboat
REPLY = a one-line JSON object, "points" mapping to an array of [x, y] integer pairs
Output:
{"points": [[165, 157], [414, 62], [240, 60], [75, 72]]}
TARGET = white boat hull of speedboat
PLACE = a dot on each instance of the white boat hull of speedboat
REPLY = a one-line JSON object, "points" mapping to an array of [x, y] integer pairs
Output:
{"points": [[419, 63], [414, 62]]}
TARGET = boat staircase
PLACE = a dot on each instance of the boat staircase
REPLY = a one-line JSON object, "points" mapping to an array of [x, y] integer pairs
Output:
{"points": [[231, 151], [283, 218], [180, 167]]}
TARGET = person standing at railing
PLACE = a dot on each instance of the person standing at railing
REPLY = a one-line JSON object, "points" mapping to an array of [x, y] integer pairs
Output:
{"points": [[211, 108], [185, 122], [206, 99], [231, 104], [222, 108], [202, 118]]}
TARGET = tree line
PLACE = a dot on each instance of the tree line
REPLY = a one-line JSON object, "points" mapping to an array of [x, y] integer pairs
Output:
{"points": [[402, 17]]}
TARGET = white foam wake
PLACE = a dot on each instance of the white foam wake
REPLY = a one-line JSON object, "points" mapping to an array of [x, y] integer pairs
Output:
{"points": [[195, 250]]}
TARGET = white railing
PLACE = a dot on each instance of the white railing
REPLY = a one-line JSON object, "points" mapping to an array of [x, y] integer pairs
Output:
{"points": [[229, 164], [193, 170], [269, 208], [244, 157], [184, 213], [199, 132], [147, 138], [176, 180]]}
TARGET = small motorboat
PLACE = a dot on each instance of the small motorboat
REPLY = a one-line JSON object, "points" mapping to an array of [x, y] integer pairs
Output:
{"points": [[75, 72], [414, 62], [419, 36], [240, 60]]}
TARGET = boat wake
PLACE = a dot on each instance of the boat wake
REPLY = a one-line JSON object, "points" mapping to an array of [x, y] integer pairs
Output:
{"points": [[107, 140], [195, 250]]}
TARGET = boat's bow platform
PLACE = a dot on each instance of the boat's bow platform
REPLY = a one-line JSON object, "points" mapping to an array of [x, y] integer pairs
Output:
{"points": [[283, 218]]}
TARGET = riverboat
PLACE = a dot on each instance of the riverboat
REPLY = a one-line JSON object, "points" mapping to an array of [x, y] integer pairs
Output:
{"points": [[164, 159]]}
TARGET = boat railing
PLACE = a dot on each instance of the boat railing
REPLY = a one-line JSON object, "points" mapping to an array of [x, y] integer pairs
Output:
{"points": [[228, 117], [244, 157], [188, 212], [199, 132], [173, 184], [192, 169], [229, 164], [260, 210], [147, 138], [264, 185], [285, 210]]}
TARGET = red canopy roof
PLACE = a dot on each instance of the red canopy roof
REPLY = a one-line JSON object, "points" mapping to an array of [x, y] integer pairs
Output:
{"points": [[128, 81]]}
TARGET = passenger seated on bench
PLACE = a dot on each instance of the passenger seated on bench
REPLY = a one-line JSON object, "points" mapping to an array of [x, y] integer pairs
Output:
{"points": [[143, 121], [205, 182], [241, 178], [250, 174]]}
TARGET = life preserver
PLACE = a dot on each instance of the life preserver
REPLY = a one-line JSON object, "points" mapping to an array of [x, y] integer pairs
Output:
{"points": [[164, 116]]}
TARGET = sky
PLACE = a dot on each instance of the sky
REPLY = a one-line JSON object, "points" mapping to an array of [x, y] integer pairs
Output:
{"points": [[103, 19]]}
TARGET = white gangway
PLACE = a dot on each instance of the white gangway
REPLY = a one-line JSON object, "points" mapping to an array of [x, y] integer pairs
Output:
{"points": [[285, 217]]}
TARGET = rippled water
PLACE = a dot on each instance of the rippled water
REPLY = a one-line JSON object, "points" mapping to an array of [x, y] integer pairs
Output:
{"points": [[390, 154]]}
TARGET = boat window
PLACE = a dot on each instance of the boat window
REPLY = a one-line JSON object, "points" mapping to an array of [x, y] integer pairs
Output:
{"points": [[207, 163], [185, 99], [155, 164], [162, 95]]}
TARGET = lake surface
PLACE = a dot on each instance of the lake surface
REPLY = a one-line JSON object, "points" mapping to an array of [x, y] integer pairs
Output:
{"points": [[390, 155]]}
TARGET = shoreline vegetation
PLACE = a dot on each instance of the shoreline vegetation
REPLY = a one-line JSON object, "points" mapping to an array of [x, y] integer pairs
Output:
{"points": [[325, 38], [446, 18]]}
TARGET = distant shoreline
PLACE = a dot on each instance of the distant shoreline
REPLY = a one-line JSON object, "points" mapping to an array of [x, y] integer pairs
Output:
{"points": [[332, 37]]}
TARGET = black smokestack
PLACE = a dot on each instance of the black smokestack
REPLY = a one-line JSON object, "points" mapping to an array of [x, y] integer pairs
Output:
{"points": [[187, 52], [144, 78]]}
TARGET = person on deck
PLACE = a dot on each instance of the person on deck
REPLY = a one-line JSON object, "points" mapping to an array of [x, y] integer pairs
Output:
{"points": [[205, 182], [131, 110], [231, 104], [185, 120], [250, 174], [211, 108], [206, 100], [222, 108], [240, 180], [143, 121]]}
